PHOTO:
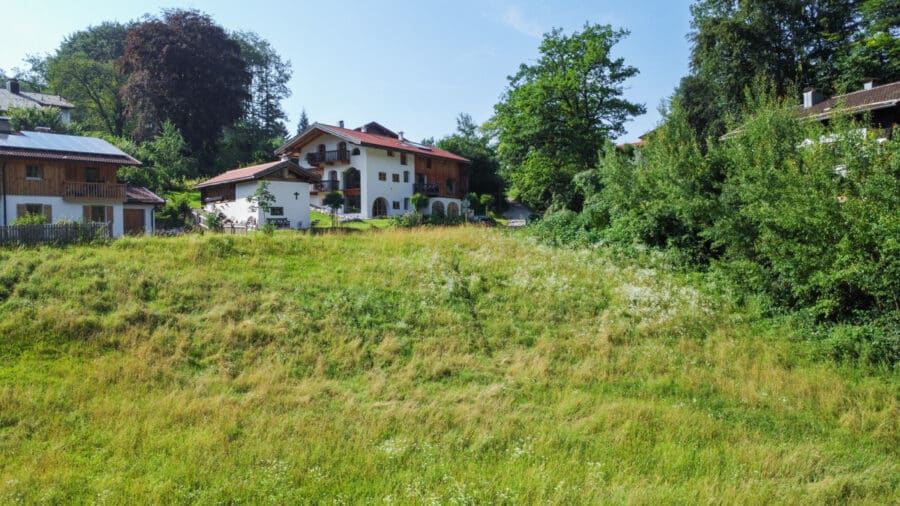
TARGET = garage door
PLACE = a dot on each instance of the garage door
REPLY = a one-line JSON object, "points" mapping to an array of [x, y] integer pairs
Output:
{"points": [[134, 221]]}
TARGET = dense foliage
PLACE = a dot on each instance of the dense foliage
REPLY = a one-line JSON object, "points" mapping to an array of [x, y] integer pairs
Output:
{"points": [[201, 101], [830, 45], [806, 216], [557, 113]]}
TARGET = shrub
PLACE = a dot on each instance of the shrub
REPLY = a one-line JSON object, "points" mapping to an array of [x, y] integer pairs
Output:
{"points": [[31, 219], [406, 220]]}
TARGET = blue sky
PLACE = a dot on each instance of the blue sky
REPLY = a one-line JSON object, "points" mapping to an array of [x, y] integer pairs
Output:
{"points": [[410, 65]]}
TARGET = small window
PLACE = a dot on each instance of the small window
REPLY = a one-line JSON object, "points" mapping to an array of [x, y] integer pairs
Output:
{"points": [[382, 176], [451, 185], [276, 211], [428, 163], [395, 178], [405, 176], [402, 158], [98, 214], [406, 204], [92, 175], [35, 209], [390, 153], [33, 172], [396, 204], [355, 152]]}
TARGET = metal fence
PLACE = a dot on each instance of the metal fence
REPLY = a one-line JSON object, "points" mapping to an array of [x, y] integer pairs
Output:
{"points": [[59, 233]]}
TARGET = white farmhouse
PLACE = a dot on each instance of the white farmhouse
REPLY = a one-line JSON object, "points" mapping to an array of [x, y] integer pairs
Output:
{"points": [[229, 195], [378, 170]]}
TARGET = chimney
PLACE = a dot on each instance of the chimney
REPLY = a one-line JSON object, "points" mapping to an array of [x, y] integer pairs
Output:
{"points": [[869, 83], [341, 123], [5, 126], [811, 97], [12, 85], [365, 129], [400, 133], [43, 129]]}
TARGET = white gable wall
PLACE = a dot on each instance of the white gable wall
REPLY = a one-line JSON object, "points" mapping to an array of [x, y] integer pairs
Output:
{"points": [[239, 211]]}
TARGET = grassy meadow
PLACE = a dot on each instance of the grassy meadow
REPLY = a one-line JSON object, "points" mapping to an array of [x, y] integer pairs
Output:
{"points": [[440, 366]]}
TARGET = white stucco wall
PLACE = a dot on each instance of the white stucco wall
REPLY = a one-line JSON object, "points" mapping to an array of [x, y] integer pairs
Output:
{"points": [[296, 208], [74, 211], [378, 161]]}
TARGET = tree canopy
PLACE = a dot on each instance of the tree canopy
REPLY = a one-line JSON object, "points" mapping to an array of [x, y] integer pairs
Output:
{"points": [[470, 142], [556, 114], [186, 69]]}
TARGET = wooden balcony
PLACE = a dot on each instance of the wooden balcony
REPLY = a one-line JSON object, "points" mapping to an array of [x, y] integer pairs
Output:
{"points": [[429, 189], [330, 157], [77, 191]]}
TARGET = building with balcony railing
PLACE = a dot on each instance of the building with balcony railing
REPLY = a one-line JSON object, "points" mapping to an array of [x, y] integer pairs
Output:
{"points": [[70, 178], [378, 170]]}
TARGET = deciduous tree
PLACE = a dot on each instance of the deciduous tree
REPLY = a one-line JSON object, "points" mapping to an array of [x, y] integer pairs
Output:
{"points": [[184, 68], [556, 114]]}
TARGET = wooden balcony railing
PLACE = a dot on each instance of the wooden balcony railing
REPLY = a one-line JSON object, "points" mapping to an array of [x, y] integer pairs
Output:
{"points": [[83, 192], [338, 155], [429, 189]]}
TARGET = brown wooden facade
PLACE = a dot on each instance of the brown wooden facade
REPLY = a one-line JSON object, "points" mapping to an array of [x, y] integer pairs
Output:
{"points": [[450, 175], [74, 181]]}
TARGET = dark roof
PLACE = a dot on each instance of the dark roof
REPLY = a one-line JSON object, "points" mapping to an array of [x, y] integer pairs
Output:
{"points": [[30, 100], [370, 139], [49, 146], [141, 195], [256, 172], [878, 97]]}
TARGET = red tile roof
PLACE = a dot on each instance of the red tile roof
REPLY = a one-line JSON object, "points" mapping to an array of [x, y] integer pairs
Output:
{"points": [[369, 139], [253, 172]]}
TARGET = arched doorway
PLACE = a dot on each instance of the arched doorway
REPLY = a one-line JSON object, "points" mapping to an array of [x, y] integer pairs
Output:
{"points": [[437, 209], [453, 209], [379, 208]]}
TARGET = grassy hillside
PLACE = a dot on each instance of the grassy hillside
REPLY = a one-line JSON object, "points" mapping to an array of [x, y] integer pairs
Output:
{"points": [[444, 366]]}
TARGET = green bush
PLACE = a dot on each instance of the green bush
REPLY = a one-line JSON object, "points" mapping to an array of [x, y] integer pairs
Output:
{"points": [[406, 220], [806, 217], [31, 219]]}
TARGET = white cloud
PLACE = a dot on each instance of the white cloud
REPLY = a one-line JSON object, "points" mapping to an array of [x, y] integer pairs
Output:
{"points": [[514, 18]]}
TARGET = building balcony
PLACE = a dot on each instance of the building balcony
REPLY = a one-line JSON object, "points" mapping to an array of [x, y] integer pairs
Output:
{"points": [[429, 189], [78, 191], [331, 157]]}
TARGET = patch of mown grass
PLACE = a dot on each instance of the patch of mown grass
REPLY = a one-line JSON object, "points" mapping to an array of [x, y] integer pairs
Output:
{"points": [[435, 365]]}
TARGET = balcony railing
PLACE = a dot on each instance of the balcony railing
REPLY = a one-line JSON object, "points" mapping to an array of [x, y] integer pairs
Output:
{"points": [[80, 191], [429, 189], [338, 155]]}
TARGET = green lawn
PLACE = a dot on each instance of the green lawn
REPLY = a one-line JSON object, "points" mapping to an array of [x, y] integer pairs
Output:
{"points": [[373, 224], [445, 365]]}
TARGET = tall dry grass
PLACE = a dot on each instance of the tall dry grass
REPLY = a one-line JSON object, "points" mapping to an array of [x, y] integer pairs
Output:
{"points": [[441, 366]]}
